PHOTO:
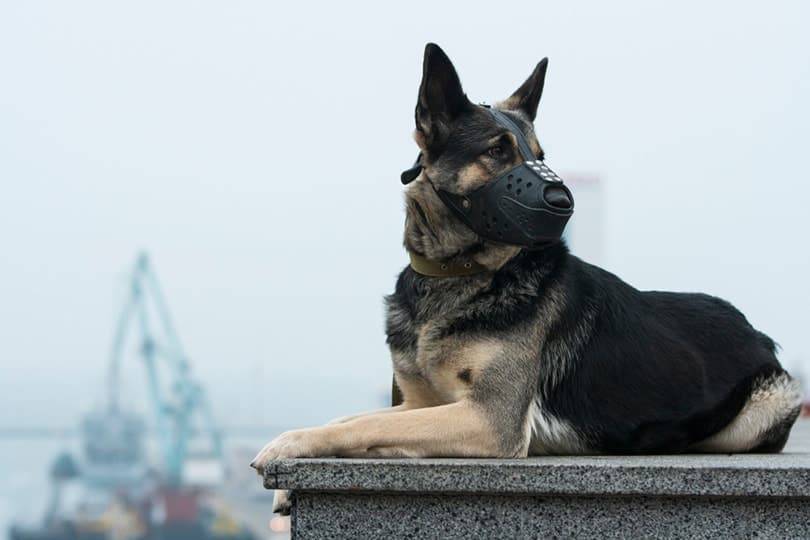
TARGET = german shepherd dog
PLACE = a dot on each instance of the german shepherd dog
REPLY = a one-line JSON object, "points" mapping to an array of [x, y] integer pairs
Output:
{"points": [[538, 352]]}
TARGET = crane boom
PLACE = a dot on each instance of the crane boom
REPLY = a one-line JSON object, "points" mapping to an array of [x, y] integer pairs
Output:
{"points": [[178, 402]]}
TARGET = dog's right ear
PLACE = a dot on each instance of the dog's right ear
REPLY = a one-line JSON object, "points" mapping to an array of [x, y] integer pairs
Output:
{"points": [[441, 99], [527, 97]]}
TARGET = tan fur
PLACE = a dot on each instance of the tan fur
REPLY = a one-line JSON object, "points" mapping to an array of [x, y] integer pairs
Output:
{"points": [[441, 364], [387, 410], [456, 429], [428, 226], [473, 176], [509, 104], [496, 256], [772, 402], [419, 138], [281, 497], [446, 360], [417, 392], [534, 145], [388, 433], [476, 174], [436, 418]]}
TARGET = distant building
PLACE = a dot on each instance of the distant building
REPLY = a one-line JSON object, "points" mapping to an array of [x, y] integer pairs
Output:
{"points": [[585, 230]]}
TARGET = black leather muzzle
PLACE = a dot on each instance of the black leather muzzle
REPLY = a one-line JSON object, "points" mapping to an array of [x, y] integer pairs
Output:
{"points": [[526, 206]]}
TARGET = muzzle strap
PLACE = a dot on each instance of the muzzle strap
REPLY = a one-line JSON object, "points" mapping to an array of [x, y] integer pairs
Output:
{"points": [[523, 143]]}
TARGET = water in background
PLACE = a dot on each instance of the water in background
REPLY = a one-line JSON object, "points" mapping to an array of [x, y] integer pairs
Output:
{"points": [[25, 484]]}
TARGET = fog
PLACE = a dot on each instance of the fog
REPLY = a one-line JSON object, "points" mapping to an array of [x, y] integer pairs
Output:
{"points": [[254, 148]]}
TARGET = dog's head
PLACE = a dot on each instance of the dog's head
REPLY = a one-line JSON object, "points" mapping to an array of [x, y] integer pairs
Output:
{"points": [[463, 147]]}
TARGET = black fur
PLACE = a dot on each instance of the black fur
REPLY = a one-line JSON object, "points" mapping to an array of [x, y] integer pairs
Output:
{"points": [[626, 371], [657, 371], [540, 352]]}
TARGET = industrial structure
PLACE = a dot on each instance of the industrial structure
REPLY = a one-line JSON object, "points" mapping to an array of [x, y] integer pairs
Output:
{"points": [[113, 490]]}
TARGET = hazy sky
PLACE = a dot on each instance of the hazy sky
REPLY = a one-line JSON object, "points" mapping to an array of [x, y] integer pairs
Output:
{"points": [[254, 149]]}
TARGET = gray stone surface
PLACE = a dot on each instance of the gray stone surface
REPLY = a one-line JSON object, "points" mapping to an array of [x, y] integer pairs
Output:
{"points": [[390, 516], [781, 475], [687, 496]]}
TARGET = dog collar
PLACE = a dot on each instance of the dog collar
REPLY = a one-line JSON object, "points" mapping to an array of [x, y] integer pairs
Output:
{"points": [[459, 268]]}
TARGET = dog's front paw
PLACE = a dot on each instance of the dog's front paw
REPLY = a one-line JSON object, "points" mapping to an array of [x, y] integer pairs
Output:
{"points": [[290, 444], [281, 502]]}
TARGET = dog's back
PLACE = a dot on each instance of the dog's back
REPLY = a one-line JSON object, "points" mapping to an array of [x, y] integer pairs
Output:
{"points": [[662, 371]]}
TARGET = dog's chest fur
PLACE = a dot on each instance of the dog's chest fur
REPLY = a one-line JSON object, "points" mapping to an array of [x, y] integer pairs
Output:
{"points": [[428, 318], [453, 338], [427, 352]]}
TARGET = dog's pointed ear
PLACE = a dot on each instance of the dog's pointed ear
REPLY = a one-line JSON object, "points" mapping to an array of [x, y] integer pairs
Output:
{"points": [[527, 97], [441, 99]]}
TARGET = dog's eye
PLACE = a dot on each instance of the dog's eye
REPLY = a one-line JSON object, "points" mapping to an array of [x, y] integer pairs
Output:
{"points": [[495, 152]]}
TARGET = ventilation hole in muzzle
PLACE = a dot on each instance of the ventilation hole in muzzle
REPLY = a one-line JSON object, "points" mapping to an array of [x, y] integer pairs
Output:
{"points": [[528, 185], [518, 191], [494, 219], [509, 186], [519, 180], [510, 176]]}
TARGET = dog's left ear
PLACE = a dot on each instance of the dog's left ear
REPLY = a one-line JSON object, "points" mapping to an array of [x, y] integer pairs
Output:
{"points": [[527, 97]]}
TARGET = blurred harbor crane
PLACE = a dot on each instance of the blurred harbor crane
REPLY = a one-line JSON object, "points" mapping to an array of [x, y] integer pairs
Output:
{"points": [[179, 403], [112, 491]]}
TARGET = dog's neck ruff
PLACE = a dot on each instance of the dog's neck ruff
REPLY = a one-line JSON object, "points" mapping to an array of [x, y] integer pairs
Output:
{"points": [[453, 268]]}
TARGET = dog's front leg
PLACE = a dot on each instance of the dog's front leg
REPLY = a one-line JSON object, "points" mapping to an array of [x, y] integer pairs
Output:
{"points": [[458, 429], [387, 410], [281, 498]]}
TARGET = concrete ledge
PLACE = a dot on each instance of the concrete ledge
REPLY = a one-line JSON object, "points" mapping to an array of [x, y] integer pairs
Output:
{"points": [[781, 475], [694, 496]]}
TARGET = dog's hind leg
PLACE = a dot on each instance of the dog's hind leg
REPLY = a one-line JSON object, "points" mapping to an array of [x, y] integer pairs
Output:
{"points": [[764, 423]]}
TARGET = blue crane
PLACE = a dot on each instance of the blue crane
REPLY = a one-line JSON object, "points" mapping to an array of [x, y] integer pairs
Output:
{"points": [[179, 403]]}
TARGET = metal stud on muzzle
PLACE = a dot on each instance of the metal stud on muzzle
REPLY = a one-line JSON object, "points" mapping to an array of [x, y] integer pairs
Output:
{"points": [[526, 206]]}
